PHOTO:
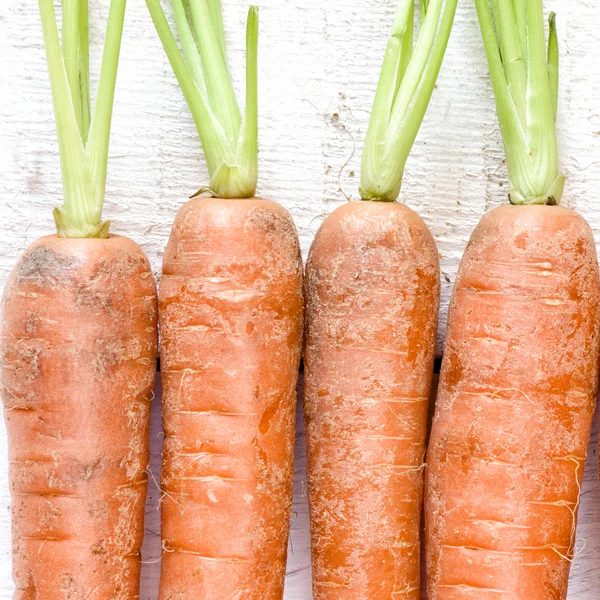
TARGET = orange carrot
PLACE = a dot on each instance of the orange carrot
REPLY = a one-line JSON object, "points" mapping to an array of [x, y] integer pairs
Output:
{"points": [[231, 310], [78, 361], [78, 357], [520, 371], [372, 302], [514, 410], [231, 322], [372, 299]]}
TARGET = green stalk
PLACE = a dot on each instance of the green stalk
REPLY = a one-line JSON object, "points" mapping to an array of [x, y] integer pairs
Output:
{"points": [[99, 136], [70, 49], [72, 152], [229, 140], [188, 42], [246, 157], [524, 77], [520, 11], [82, 136], [512, 52], [405, 86], [553, 61], [214, 66], [84, 69], [216, 14]]}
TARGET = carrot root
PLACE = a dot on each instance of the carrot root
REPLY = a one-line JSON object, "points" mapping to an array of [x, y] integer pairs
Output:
{"points": [[515, 405], [79, 346], [231, 322], [372, 294]]}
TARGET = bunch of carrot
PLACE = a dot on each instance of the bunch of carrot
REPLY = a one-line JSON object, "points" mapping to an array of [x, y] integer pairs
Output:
{"points": [[501, 477]]}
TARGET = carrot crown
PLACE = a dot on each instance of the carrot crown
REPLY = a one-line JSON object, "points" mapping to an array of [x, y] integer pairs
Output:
{"points": [[407, 79], [229, 140], [83, 135], [525, 80]]}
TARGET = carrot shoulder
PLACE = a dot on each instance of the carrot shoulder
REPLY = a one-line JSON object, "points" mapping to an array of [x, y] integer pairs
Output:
{"points": [[79, 346], [372, 301], [514, 409], [231, 322]]}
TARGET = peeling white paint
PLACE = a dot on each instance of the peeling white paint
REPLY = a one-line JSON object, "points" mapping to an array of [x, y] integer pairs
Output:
{"points": [[319, 63]]}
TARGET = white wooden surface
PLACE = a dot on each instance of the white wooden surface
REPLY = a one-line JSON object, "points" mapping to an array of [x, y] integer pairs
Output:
{"points": [[319, 62]]}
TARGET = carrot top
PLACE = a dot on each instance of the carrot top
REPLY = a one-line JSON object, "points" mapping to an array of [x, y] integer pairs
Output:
{"points": [[525, 80], [83, 135], [407, 79], [229, 140]]}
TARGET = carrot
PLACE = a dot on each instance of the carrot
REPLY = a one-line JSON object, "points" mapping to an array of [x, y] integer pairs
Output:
{"points": [[230, 313], [78, 358], [519, 376], [372, 303], [372, 299], [231, 310]]}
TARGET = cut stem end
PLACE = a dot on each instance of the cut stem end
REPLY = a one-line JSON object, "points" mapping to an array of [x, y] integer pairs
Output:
{"points": [[229, 137], [83, 137], [406, 83], [524, 75]]}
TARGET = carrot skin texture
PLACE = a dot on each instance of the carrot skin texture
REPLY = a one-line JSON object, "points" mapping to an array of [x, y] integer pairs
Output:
{"points": [[514, 410], [231, 309], [372, 300], [79, 348]]}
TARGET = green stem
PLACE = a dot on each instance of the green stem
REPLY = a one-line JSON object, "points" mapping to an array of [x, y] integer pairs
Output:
{"points": [[216, 15], [247, 150], [99, 136], [70, 49], [520, 12], [405, 86], [190, 48], [84, 69], [72, 152], [511, 52], [514, 41], [83, 153], [214, 66], [553, 61], [230, 142], [395, 62], [404, 28], [413, 118], [212, 137]]}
